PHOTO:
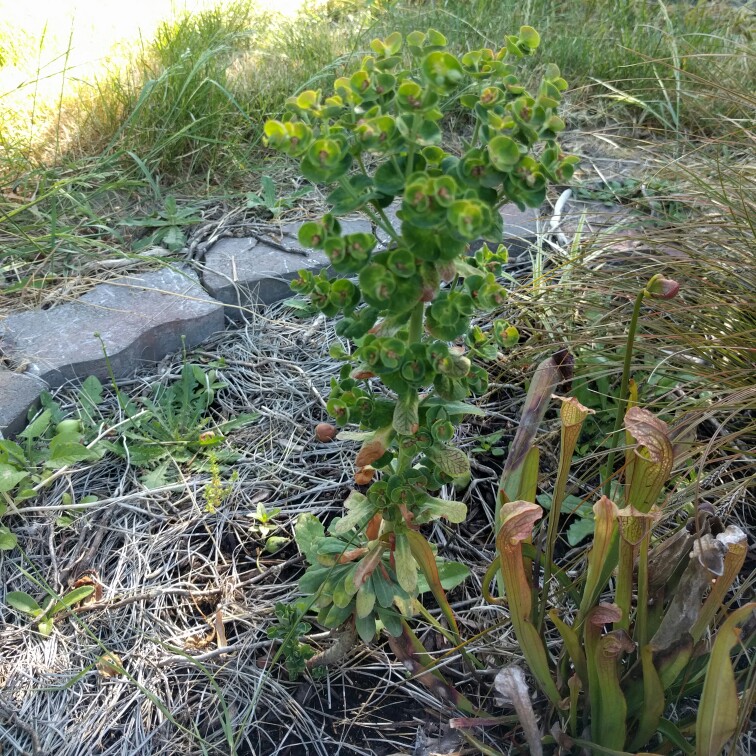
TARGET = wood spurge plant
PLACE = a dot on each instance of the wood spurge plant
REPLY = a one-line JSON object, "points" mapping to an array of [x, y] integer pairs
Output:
{"points": [[413, 355]]}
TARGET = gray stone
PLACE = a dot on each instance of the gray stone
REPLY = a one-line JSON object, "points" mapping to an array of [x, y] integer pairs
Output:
{"points": [[521, 227], [247, 272], [18, 392], [591, 218], [139, 318]]}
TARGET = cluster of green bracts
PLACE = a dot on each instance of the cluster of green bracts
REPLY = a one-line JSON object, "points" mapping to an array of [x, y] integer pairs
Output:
{"points": [[406, 307]]}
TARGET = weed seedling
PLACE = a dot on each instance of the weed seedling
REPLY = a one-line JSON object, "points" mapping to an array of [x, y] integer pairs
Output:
{"points": [[44, 618], [166, 226], [267, 199]]}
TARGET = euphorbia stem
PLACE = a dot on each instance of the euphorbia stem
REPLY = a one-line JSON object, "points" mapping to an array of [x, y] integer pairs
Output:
{"points": [[622, 398], [414, 337], [416, 323]]}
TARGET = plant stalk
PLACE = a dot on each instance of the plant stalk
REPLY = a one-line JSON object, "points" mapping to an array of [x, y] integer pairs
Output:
{"points": [[416, 324], [641, 618], [622, 398]]}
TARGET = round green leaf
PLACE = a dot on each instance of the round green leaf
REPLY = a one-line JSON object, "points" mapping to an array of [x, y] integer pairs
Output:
{"points": [[503, 152]]}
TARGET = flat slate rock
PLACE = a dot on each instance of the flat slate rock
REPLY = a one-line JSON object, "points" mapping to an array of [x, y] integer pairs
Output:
{"points": [[139, 318], [18, 392], [244, 272], [592, 217]]}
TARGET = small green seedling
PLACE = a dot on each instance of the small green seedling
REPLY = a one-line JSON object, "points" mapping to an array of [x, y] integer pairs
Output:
{"points": [[267, 199], [289, 629], [49, 443], [27, 604], [166, 225], [173, 425], [489, 444], [264, 527]]}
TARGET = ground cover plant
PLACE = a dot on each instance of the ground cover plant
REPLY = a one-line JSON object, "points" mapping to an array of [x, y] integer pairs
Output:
{"points": [[169, 580]]}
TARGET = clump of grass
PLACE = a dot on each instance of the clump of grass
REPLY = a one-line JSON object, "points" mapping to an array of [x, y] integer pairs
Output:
{"points": [[185, 116], [650, 51], [173, 106], [694, 356]]}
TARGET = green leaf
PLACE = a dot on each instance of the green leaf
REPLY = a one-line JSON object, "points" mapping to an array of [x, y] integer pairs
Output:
{"points": [[454, 408], [156, 478], [76, 596], [90, 395], [451, 574], [173, 239], [384, 590], [268, 192], [434, 509], [313, 579], [10, 477], [389, 179], [504, 153], [355, 435], [442, 70], [449, 459], [406, 418], [342, 597], [391, 621], [359, 510], [356, 192], [11, 452], [579, 530], [240, 421], [366, 628], [7, 540], [530, 37], [671, 732], [143, 455], [37, 426], [406, 567], [717, 718], [68, 453], [23, 602], [308, 533], [275, 543], [302, 307], [570, 505], [365, 600], [46, 626]]}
